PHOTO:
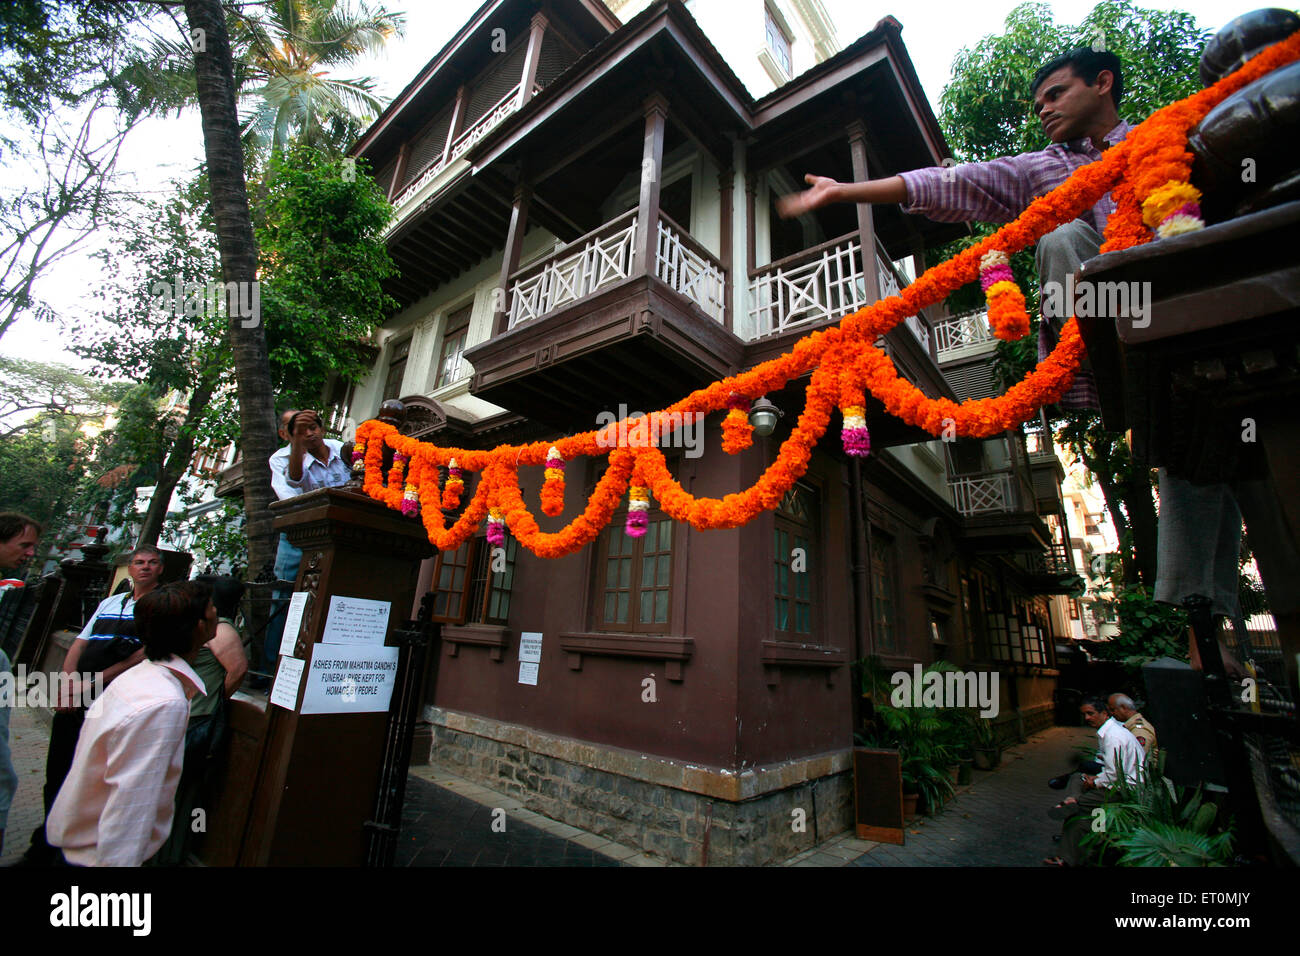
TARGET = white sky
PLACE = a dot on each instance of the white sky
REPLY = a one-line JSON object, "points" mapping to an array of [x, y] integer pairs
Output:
{"points": [[162, 150]]}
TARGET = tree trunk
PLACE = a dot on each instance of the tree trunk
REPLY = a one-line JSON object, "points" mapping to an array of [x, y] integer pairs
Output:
{"points": [[1142, 521], [225, 161], [178, 460]]}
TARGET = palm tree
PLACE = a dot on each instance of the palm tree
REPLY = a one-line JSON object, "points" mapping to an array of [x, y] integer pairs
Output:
{"points": [[290, 51], [283, 55]]}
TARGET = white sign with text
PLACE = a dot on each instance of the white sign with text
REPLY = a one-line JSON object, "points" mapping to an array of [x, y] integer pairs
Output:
{"points": [[349, 679], [356, 621]]}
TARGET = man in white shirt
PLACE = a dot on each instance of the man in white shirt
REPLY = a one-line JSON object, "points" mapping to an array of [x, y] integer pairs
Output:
{"points": [[115, 807], [1122, 760], [308, 462]]}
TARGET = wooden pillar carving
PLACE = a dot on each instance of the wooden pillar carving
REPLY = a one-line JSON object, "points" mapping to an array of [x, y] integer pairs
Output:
{"points": [[514, 250], [726, 187], [652, 163], [866, 226], [457, 121], [317, 782], [403, 156], [532, 57]]}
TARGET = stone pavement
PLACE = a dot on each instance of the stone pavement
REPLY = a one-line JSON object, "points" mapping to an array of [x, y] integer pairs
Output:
{"points": [[29, 738], [1000, 819]]}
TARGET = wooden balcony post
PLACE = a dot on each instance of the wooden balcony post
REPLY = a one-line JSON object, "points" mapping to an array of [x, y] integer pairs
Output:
{"points": [[652, 164], [751, 240], [457, 121], [726, 183], [866, 227], [514, 249], [532, 57], [403, 156]]}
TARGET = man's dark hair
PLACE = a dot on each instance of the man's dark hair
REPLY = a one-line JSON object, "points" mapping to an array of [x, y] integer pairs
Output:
{"points": [[12, 524], [1085, 63], [1092, 700], [165, 618], [146, 549], [226, 592]]}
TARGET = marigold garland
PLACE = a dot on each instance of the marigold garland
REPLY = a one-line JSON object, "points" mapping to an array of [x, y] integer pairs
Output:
{"points": [[1007, 315], [1147, 175], [737, 433], [451, 492], [553, 486]]}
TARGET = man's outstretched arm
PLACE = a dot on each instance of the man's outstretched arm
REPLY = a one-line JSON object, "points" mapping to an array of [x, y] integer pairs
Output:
{"points": [[825, 191]]}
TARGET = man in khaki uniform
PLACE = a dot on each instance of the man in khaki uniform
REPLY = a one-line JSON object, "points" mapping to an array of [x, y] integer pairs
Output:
{"points": [[1121, 705]]}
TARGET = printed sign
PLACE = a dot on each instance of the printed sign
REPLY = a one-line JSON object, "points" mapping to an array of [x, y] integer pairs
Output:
{"points": [[287, 681], [530, 656], [293, 622], [356, 621], [350, 679]]}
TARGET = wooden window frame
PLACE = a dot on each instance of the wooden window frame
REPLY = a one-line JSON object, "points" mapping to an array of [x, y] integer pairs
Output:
{"points": [[787, 525], [478, 584], [782, 56], [634, 624], [453, 334], [885, 581], [396, 362]]}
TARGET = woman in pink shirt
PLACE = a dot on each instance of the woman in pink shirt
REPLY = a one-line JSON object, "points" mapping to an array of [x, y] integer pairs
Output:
{"points": [[115, 807]]}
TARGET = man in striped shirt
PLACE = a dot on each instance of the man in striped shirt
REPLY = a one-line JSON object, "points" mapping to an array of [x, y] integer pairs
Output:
{"points": [[1076, 98]]}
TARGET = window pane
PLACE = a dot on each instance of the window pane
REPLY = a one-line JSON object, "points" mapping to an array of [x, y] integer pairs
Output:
{"points": [[782, 615], [665, 560], [622, 607], [625, 572], [661, 607], [611, 607], [647, 607], [647, 572]]}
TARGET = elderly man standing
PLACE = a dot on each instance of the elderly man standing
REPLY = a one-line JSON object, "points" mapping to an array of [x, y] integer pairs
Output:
{"points": [[18, 537], [1123, 708], [1122, 759]]}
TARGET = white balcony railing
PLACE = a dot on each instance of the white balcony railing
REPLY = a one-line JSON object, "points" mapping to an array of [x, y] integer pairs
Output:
{"points": [[503, 108], [690, 269], [577, 270], [961, 332], [984, 494], [821, 284]]}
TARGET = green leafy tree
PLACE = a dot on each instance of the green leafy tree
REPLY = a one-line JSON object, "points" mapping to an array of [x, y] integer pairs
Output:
{"points": [[986, 112]]}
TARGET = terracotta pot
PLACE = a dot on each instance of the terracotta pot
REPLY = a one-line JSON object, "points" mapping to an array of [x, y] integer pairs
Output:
{"points": [[987, 758], [909, 805]]}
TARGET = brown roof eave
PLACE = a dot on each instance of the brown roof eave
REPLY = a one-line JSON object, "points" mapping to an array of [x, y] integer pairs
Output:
{"points": [[667, 17]]}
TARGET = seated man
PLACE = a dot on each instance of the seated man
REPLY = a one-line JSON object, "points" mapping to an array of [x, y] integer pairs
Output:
{"points": [[1122, 760], [115, 807], [1121, 705]]}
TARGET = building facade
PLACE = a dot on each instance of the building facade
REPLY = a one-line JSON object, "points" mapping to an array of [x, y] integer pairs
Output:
{"points": [[585, 227]]}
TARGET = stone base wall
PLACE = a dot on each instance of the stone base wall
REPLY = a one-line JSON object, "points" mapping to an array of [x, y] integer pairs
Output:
{"points": [[1041, 717], [687, 814]]}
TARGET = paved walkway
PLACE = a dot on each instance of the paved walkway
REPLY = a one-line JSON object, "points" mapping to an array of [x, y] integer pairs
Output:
{"points": [[1000, 819]]}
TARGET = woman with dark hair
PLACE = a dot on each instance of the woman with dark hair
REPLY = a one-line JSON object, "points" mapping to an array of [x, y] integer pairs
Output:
{"points": [[221, 664], [115, 807]]}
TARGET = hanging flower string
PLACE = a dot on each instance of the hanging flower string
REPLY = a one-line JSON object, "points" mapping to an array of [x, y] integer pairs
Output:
{"points": [[358, 458], [496, 527], [843, 362], [411, 494], [455, 485], [553, 486], [638, 505], [854, 433], [737, 433], [1007, 315]]}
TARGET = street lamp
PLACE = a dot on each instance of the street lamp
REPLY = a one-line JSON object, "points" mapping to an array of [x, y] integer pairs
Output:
{"points": [[763, 416]]}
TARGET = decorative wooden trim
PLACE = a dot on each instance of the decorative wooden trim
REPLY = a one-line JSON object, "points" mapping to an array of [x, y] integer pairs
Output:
{"points": [[652, 160], [726, 188], [514, 249], [673, 651], [496, 639], [776, 655], [532, 56], [403, 156]]}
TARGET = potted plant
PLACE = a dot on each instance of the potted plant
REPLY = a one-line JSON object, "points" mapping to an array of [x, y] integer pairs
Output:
{"points": [[987, 754]]}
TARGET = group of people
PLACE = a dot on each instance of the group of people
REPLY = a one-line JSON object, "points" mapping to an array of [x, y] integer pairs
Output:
{"points": [[1127, 749], [120, 770]]}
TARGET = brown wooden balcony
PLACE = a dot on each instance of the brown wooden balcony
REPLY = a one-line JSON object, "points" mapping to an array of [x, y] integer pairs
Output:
{"points": [[999, 511], [587, 328]]}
